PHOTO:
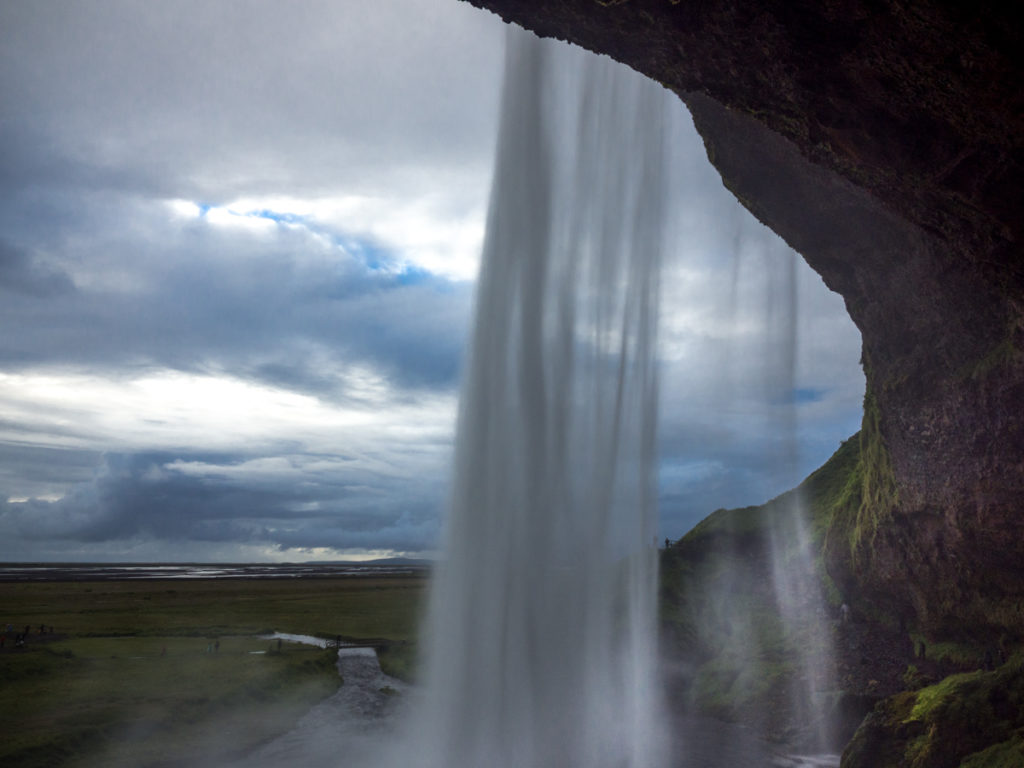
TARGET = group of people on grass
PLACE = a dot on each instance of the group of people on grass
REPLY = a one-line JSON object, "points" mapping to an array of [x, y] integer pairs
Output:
{"points": [[21, 637]]}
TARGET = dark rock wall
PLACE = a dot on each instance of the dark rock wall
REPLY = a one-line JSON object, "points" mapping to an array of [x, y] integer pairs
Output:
{"points": [[885, 142], [919, 102]]}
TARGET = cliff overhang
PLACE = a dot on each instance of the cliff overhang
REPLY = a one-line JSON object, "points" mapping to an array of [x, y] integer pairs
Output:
{"points": [[885, 143]]}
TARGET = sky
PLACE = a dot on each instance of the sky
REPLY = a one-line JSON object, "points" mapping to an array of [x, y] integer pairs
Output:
{"points": [[238, 246]]}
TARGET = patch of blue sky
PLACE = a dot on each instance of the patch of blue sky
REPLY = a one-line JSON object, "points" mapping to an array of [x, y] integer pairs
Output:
{"points": [[412, 275], [803, 395], [798, 396], [374, 256], [377, 259], [384, 262], [264, 213], [280, 218]]}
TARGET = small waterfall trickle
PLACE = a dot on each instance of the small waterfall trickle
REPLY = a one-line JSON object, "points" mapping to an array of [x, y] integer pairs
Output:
{"points": [[541, 629], [760, 647], [795, 575]]}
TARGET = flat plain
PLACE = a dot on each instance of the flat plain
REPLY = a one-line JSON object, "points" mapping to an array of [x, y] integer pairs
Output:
{"points": [[147, 673]]}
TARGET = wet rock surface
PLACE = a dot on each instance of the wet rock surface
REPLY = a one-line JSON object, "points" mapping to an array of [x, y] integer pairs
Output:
{"points": [[919, 105]]}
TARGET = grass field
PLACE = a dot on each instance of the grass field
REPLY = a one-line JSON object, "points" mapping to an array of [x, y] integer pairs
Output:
{"points": [[130, 676]]}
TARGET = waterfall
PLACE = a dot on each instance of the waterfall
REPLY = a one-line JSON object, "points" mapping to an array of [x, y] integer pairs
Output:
{"points": [[540, 637]]}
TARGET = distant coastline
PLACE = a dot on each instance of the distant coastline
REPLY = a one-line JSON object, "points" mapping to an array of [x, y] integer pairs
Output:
{"points": [[192, 571]]}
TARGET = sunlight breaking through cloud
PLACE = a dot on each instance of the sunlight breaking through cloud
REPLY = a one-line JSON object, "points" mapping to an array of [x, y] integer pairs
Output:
{"points": [[391, 235], [174, 409]]}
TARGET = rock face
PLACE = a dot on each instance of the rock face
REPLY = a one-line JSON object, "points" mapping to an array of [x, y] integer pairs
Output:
{"points": [[885, 142], [969, 720]]}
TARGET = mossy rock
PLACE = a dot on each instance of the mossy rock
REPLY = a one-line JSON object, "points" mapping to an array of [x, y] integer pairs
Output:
{"points": [[967, 720], [1006, 754]]}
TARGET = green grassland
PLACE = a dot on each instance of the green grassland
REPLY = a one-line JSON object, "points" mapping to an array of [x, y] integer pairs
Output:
{"points": [[150, 673]]}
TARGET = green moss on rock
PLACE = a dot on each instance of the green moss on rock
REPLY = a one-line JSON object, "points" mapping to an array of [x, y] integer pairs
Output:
{"points": [[967, 720], [1006, 754], [865, 504]]}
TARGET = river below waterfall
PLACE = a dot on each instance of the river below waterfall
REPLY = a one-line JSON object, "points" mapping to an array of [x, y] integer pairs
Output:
{"points": [[354, 728], [347, 729]]}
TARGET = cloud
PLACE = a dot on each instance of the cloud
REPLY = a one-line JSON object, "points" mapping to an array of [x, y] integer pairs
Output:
{"points": [[19, 273], [277, 304], [175, 411], [221, 103], [199, 500], [237, 271]]}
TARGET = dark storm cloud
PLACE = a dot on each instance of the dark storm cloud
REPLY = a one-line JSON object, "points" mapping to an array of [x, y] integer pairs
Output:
{"points": [[20, 273], [28, 471], [132, 495], [413, 529], [135, 497]]}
